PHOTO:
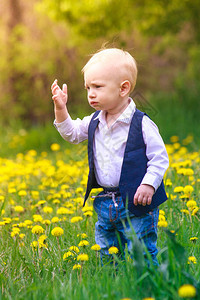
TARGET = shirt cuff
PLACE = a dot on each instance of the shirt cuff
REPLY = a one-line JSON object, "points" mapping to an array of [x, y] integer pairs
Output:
{"points": [[152, 180]]}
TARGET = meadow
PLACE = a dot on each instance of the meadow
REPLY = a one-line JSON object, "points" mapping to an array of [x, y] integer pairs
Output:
{"points": [[47, 248]]}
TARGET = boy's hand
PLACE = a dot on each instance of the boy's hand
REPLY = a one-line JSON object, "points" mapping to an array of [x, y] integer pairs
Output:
{"points": [[59, 96], [144, 194]]}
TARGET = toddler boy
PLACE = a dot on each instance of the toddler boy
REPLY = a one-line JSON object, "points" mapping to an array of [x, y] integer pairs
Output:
{"points": [[127, 156]]}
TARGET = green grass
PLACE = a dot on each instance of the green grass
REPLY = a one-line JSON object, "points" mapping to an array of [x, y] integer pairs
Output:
{"points": [[42, 273]]}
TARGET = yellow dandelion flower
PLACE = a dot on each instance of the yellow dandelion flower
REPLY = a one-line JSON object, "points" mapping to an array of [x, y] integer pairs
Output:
{"points": [[68, 254], [37, 229], [191, 204], [76, 267], [193, 239], [62, 211], [188, 189], [21, 235], [14, 233], [88, 214], [42, 238], [83, 243], [96, 247], [178, 189], [55, 220], [22, 193], [185, 211], [83, 257], [41, 202], [148, 298], [57, 231], [76, 219], [74, 248], [162, 223], [113, 250], [47, 210], [83, 235], [37, 218], [46, 222], [192, 259], [56, 201], [195, 210], [187, 291], [34, 244], [55, 147], [161, 212], [18, 208], [28, 222]]}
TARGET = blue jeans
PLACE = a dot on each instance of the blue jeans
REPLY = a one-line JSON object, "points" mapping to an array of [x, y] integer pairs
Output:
{"points": [[113, 223]]}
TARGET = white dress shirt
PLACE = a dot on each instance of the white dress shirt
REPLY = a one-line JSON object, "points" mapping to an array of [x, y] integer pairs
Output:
{"points": [[109, 146]]}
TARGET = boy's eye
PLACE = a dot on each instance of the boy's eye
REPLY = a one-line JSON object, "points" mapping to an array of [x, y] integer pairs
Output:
{"points": [[97, 86]]}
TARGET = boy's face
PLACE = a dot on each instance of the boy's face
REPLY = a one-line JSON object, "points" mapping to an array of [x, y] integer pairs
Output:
{"points": [[103, 84]]}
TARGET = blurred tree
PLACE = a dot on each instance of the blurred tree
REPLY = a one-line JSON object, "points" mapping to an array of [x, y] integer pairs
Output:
{"points": [[94, 18]]}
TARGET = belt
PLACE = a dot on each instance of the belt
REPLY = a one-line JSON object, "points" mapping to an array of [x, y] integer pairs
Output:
{"points": [[109, 192]]}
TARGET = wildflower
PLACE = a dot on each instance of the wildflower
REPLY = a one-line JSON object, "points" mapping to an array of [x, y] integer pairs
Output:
{"points": [[191, 204], [74, 248], [162, 223], [67, 254], [77, 267], [192, 259], [185, 211], [193, 239], [56, 201], [96, 247], [178, 189], [83, 257], [62, 211], [88, 214], [195, 210], [28, 222], [113, 250], [21, 235], [46, 222], [18, 208], [42, 238], [37, 229], [83, 235], [47, 209], [34, 245], [22, 193], [188, 189], [37, 218], [41, 202], [161, 212], [148, 298], [187, 291], [55, 147], [55, 220], [76, 219], [83, 243], [57, 231]]}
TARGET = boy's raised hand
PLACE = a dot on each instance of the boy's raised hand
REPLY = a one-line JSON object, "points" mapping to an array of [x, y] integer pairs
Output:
{"points": [[144, 194], [59, 96]]}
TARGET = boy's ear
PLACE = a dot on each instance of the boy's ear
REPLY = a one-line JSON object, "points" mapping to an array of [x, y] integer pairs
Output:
{"points": [[125, 88]]}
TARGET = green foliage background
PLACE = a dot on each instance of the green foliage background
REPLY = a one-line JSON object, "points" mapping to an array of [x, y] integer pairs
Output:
{"points": [[46, 39]]}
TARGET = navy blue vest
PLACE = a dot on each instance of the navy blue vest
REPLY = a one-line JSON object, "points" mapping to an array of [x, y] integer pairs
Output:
{"points": [[134, 166]]}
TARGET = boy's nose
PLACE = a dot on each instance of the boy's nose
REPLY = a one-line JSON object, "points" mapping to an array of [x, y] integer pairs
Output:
{"points": [[91, 94]]}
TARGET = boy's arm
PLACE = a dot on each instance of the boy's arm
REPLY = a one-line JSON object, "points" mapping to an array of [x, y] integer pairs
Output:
{"points": [[158, 163]]}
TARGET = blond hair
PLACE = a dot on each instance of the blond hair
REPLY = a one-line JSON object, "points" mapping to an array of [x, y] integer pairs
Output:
{"points": [[123, 59]]}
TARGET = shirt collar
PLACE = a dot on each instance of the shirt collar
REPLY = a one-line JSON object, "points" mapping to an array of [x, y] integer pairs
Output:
{"points": [[125, 117]]}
